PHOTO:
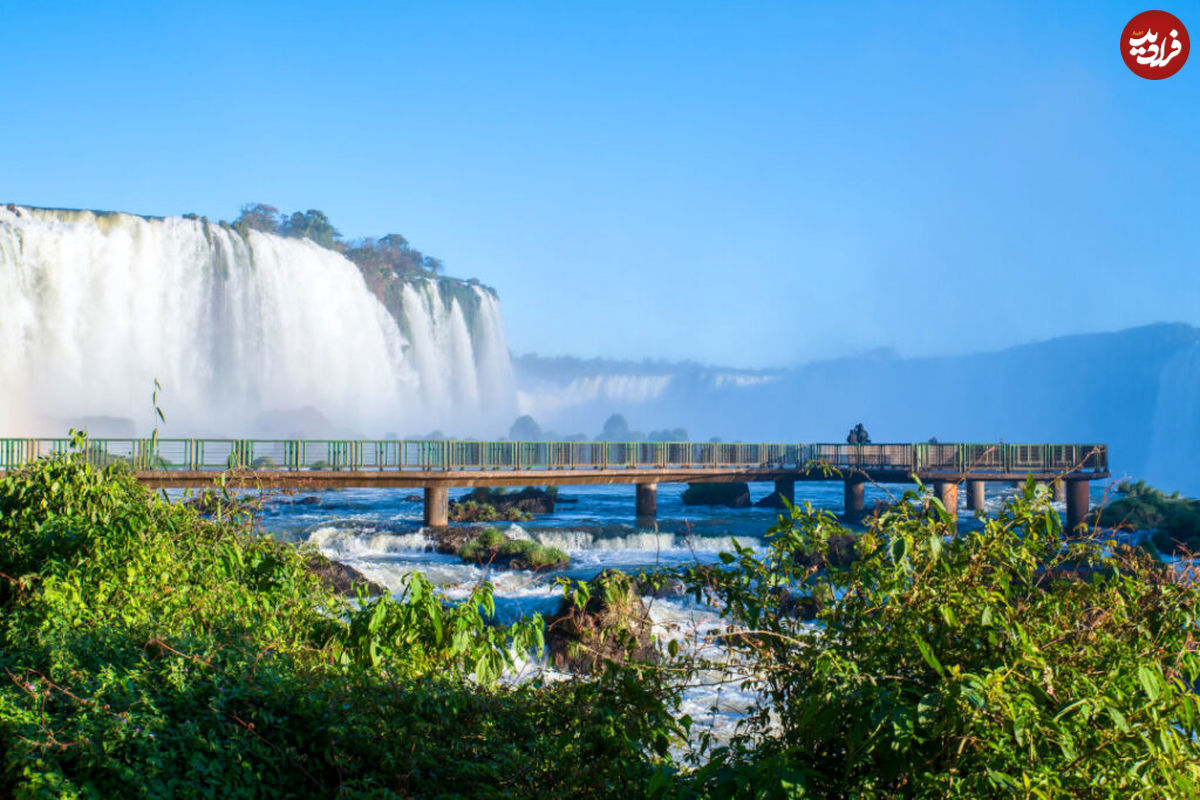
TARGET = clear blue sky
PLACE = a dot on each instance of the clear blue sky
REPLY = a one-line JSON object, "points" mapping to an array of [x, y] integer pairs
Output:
{"points": [[738, 183]]}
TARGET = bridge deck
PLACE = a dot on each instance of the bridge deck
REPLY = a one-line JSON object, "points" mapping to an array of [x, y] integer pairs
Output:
{"points": [[413, 479]]}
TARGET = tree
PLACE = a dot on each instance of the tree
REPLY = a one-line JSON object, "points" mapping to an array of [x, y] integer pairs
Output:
{"points": [[858, 435], [615, 429], [393, 243], [525, 429], [260, 217], [312, 224], [434, 265]]}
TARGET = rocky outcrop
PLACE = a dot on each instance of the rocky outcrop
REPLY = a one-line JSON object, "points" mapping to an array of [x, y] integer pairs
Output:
{"points": [[841, 553], [733, 495], [798, 606], [773, 500], [471, 511], [341, 578], [488, 547], [651, 585], [496, 505], [492, 548], [529, 500], [613, 625]]}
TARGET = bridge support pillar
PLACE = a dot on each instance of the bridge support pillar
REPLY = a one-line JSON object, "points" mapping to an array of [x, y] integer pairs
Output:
{"points": [[437, 506], [786, 487], [647, 499], [947, 492], [1077, 503], [975, 495], [1058, 490], [855, 496]]}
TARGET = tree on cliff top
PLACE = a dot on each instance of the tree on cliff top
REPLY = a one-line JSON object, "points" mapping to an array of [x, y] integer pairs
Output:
{"points": [[312, 224], [260, 217]]}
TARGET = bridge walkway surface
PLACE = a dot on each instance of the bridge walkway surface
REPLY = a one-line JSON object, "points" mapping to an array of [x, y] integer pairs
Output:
{"points": [[439, 465]]}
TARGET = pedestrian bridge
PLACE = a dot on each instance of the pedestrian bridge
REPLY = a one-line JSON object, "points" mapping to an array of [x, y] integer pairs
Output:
{"points": [[438, 465]]}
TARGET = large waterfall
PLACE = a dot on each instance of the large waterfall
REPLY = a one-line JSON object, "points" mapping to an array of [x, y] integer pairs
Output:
{"points": [[247, 334]]}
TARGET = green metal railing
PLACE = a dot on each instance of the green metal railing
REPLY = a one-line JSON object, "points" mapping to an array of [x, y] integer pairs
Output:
{"points": [[202, 455]]}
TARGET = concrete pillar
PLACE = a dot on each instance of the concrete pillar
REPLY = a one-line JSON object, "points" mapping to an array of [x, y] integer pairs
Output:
{"points": [[1077, 503], [1058, 490], [437, 506], [947, 492], [647, 499], [786, 487], [855, 496], [975, 495]]}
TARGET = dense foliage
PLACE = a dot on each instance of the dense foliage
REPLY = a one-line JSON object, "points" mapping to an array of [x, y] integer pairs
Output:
{"points": [[474, 511], [378, 259], [493, 547], [1005, 661], [148, 651], [1173, 520]]}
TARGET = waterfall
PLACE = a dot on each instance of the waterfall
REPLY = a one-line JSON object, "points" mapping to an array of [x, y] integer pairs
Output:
{"points": [[1176, 428], [247, 334]]}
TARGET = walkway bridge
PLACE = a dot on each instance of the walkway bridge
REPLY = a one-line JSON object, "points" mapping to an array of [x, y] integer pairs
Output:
{"points": [[437, 466]]}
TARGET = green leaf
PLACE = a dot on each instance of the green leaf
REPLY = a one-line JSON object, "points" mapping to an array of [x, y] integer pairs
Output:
{"points": [[935, 546], [1150, 682], [927, 654]]}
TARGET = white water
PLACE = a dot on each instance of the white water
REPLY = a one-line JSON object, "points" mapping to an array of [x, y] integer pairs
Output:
{"points": [[237, 329]]}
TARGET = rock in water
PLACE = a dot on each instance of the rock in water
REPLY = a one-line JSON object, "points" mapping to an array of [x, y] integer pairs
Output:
{"points": [[773, 500], [529, 500], [734, 495], [612, 626], [341, 578], [841, 553]]}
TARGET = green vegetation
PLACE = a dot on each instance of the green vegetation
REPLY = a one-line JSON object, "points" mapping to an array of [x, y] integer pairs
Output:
{"points": [[378, 259], [1174, 521], [1005, 661], [472, 511], [147, 651], [387, 264], [496, 504], [493, 547]]}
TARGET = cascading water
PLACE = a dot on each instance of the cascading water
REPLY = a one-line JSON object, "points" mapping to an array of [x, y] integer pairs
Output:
{"points": [[1176, 428], [237, 329]]}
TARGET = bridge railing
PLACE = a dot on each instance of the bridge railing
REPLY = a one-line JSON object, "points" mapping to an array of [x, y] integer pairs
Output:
{"points": [[435, 455]]}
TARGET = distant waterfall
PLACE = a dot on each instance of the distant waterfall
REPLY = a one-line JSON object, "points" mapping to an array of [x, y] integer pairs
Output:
{"points": [[247, 334], [1176, 428]]}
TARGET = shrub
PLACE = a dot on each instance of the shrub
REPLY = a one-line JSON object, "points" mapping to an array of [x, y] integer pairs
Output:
{"points": [[1175, 522], [148, 651], [1005, 661], [493, 547]]}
